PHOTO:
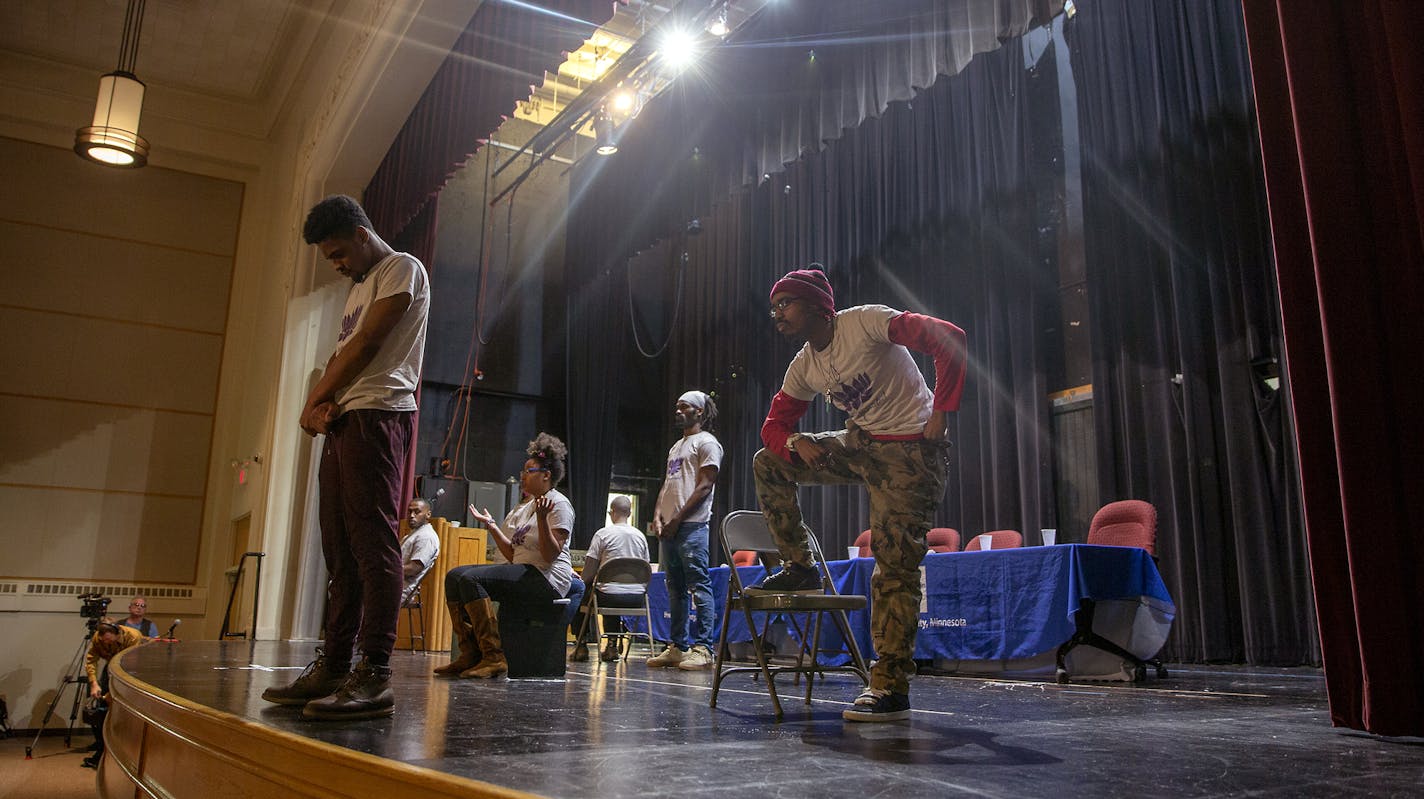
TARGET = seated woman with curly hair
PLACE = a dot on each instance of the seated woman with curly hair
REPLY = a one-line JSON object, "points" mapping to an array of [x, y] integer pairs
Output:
{"points": [[535, 540]]}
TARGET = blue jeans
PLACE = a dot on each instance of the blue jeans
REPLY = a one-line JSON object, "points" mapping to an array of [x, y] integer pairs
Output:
{"points": [[684, 559]]}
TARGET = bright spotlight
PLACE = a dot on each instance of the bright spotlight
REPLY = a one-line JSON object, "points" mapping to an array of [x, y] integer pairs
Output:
{"points": [[623, 101], [679, 49]]}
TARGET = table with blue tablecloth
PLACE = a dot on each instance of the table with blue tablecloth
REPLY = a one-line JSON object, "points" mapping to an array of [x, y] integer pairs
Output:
{"points": [[1003, 606]]}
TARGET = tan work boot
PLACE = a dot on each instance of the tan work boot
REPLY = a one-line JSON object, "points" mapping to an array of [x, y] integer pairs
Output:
{"points": [[486, 627], [469, 649]]}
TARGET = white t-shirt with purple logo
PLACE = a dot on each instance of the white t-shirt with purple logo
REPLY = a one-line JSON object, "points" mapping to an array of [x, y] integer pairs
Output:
{"points": [[685, 458], [522, 528], [862, 372], [618, 541], [388, 382]]}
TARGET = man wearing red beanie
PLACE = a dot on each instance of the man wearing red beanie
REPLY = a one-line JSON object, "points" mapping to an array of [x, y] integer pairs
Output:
{"points": [[894, 443]]}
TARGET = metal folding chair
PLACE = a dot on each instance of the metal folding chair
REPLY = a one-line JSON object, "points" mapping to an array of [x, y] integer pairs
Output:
{"points": [[623, 571], [747, 530], [415, 615]]}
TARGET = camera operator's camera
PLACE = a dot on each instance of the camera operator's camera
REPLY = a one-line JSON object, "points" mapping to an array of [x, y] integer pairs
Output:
{"points": [[93, 605]]}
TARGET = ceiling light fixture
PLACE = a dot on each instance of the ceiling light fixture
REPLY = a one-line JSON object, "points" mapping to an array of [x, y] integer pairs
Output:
{"points": [[113, 140]]}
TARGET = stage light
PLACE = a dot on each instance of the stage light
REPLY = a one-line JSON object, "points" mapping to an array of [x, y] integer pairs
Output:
{"points": [[112, 139], [623, 101], [718, 26], [605, 133], [679, 50]]}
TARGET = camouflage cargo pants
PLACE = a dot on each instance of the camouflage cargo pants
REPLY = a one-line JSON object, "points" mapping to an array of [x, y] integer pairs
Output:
{"points": [[905, 481]]}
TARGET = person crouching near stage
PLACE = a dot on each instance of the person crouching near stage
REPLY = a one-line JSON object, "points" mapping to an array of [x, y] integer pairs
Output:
{"points": [[894, 443], [535, 540]]}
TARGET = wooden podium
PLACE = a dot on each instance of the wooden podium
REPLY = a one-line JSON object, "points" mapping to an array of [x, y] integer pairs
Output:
{"points": [[459, 546]]}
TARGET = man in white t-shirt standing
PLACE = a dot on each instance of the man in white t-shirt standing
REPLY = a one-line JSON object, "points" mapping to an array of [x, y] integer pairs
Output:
{"points": [[365, 405], [894, 443], [419, 548], [618, 539], [681, 523]]}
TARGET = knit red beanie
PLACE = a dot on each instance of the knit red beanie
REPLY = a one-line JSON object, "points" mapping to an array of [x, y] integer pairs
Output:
{"points": [[810, 285]]}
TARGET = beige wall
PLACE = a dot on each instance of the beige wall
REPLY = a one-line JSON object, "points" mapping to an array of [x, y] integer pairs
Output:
{"points": [[112, 319], [201, 269]]}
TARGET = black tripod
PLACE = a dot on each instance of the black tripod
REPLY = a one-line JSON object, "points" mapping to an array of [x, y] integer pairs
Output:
{"points": [[74, 674]]}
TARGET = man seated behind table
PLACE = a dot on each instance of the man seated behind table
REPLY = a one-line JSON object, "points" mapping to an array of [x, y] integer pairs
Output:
{"points": [[419, 549], [617, 540], [138, 606]]}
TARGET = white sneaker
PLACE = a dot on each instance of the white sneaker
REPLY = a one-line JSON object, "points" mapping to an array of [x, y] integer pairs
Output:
{"points": [[697, 659], [668, 658]]}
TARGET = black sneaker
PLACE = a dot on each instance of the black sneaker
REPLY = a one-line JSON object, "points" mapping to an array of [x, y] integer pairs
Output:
{"points": [[320, 678], [366, 694], [92, 761], [792, 579], [610, 652], [875, 705]]}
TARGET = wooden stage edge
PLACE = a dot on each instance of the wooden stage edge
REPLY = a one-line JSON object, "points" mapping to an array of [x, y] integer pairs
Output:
{"points": [[163, 745]]}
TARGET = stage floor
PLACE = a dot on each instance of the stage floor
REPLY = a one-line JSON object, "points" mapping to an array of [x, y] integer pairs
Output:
{"points": [[627, 729]]}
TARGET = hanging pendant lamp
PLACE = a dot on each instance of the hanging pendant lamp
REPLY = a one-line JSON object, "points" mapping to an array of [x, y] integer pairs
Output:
{"points": [[112, 139]]}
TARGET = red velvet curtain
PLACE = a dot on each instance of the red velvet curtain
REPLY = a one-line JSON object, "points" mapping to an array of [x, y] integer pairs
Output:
{"points": [[418, 239], [1340, 103]]}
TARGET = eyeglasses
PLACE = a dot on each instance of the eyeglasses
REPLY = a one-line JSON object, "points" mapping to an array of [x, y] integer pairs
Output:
{"points": [[781, 305]]}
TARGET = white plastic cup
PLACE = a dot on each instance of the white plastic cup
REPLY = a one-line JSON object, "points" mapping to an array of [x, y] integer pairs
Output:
{"points": [[852, 553], [1050, 536], [986, 541], [454, 524]]}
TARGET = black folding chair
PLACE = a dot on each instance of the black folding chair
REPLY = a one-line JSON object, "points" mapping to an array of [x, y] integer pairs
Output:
{"points": [[747, 530]]}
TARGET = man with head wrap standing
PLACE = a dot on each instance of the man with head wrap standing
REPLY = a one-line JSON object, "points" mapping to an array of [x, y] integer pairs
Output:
{"points": [[681, 522]]}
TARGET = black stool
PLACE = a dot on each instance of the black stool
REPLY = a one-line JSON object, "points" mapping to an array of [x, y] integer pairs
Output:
{"points": [[533, 636]]}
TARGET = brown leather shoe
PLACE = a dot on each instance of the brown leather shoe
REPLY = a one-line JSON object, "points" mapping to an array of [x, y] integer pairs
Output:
{"points": [[366, 694], [320, 678]]}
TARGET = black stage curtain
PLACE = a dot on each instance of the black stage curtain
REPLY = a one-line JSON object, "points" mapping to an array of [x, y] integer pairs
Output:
{"points": [[926, 208], [1186, 325], [931, 207]]}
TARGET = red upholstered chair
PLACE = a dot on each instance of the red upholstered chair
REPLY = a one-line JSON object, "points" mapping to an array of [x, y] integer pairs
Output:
{"points": [[1002, 539], [744, 557], [863, 541], [1128, 523], [943, 539]]}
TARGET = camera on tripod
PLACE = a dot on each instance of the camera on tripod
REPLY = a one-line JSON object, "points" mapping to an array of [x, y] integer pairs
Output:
{"points": [[93, 606]]}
